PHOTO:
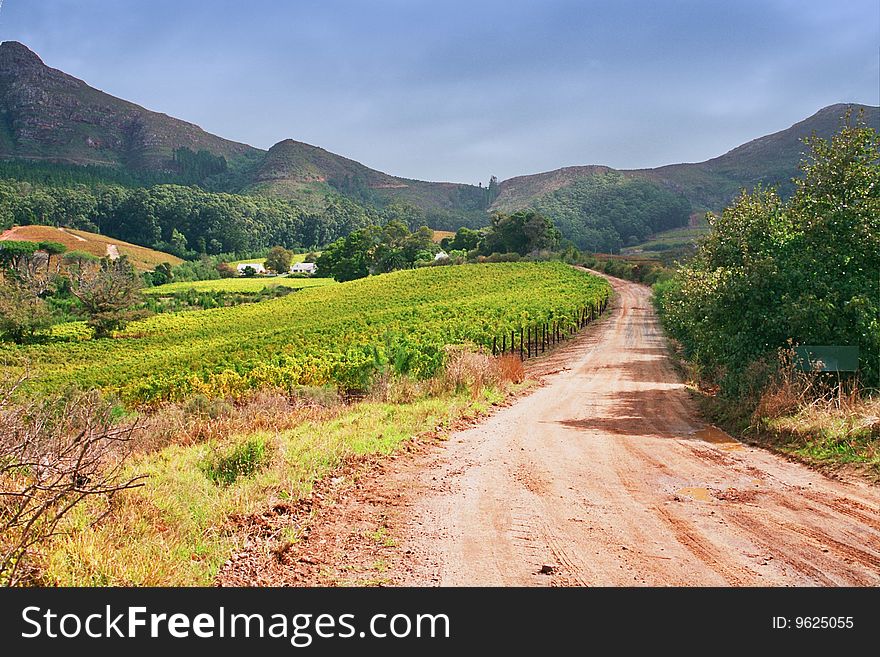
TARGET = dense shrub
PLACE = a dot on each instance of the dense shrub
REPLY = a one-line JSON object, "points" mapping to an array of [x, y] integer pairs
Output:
{"points": [[803, 271]]}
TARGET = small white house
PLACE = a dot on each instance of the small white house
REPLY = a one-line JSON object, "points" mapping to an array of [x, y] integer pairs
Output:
{"points": [[256, 266], [441, 255], [303, 268]]}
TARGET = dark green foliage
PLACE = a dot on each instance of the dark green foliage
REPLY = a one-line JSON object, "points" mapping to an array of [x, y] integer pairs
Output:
{"points": [[279, 260], [57, 174], [521, 232], [376, 250], [349, 258], [243, 460], [465, 239], [161, 275], [608, 211], [186, 221], [203, 269], [803, 270], [194, 167], [13, 253]]}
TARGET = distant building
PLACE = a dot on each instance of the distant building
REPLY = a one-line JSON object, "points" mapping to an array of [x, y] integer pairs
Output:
{"points": [[440, 255], [303, 268], [256, 266]]}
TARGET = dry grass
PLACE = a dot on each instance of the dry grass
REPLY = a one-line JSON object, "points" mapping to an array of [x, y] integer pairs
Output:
{"points": [[819, 419], [201, 419], [511, 368], [176, 531], [475, 371], [141, 258]]}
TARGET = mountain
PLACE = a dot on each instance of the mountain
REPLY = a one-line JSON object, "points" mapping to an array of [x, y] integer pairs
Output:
{"points": [[298, 171], [46, 114], [710, 185], [48, 117], [51, 119]]}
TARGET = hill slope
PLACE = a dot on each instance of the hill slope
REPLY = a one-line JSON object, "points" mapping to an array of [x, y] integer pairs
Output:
{"points": [[772, 159], [46, 114], [141, 258], [299, 171]]}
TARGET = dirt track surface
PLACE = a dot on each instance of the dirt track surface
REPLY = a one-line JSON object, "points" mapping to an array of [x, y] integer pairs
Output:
{"points": [[607, 476]]}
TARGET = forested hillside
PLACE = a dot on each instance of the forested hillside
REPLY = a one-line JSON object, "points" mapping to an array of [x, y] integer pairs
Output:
{"points": [[184, 221]]}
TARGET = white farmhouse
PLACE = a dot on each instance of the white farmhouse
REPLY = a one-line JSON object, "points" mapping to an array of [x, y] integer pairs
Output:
{"points": [[256, 266], [303, 268]]}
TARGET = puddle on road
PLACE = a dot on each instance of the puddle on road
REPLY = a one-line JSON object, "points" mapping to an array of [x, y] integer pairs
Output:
{"points": [[699, 494], [718, 437]]}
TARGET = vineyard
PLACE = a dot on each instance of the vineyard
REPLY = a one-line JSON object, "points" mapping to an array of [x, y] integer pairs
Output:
{"points": [[334, 335], [237, 285]]}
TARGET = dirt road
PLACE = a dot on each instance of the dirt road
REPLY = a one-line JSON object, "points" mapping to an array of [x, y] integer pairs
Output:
{"points": [[606, 476]]}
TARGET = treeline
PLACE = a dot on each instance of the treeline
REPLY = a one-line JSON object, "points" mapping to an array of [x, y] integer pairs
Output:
{"points": [[382, 249], [59, 174], [185, 221], [609, 211], [193, 167], [775, 273]]}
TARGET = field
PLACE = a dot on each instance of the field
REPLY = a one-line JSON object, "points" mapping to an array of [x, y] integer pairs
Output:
{"points": [[142, 258], [238, 285], [333, 335], [297, 257], [675, 239]]}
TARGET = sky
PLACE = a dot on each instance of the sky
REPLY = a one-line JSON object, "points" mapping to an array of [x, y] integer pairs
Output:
{"points": [[451, 90]]}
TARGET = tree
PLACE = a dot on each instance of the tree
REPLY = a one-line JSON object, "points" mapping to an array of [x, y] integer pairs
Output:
{"points": [[53, 249], [492, 191], [109, 292], [22, 313], [162, 274], [279, 260], [522, 232], [803, 271], [248, 272], [351, 257], [465, 239], [226, 270], [14, 254]]}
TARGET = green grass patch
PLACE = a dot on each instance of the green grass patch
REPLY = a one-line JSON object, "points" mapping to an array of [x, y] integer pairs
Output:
{"points": [[255, 284], [827, 439], [176, 530], [242, 460]]}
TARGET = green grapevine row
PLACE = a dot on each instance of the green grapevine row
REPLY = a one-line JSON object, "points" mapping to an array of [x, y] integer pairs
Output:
{"points": [[339, 334]]}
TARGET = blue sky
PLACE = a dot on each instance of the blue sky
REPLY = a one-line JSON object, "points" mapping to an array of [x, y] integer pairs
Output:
{"points": [[450, 90]]}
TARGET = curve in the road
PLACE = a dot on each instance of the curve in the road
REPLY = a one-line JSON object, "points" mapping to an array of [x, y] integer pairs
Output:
{"points": [[607, 476]]}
